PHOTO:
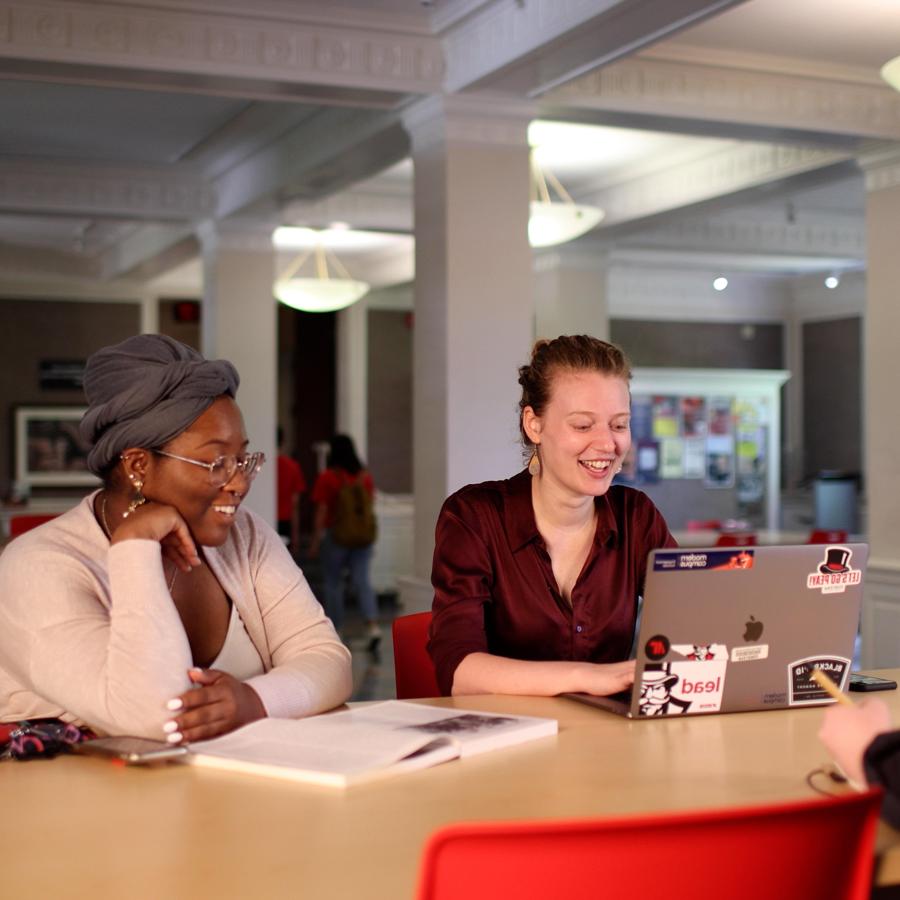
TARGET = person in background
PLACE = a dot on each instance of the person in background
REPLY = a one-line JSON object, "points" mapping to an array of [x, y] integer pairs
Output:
{"points": [[160, 606], [344, 531], [537, 578], [860, 740], [291, 485]]}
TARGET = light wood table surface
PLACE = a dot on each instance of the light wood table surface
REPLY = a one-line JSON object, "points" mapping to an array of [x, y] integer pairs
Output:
{"points": [[79, 827]]}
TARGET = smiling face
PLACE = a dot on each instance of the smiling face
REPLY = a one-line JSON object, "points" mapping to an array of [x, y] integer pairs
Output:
{"points": [[208, 510], [584, 432]]}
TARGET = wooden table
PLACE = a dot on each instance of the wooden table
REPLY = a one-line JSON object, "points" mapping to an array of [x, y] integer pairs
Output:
{"points": [[85, 828]]}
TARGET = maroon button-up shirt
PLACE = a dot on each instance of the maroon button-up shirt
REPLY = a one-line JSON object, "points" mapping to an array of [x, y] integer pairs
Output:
{"points": [[494, 589]]}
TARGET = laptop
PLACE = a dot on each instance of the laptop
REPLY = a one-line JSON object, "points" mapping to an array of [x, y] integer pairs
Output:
{"points": [[742, 628]]}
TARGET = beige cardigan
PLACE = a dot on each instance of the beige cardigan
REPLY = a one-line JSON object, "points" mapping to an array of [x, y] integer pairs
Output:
{"points": [[88, 632]]}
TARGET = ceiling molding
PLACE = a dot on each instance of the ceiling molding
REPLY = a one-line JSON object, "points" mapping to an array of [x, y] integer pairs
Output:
{"points": [[673, 90], [174, 193], [736, 168], [469, 119], [209, 45], [837, 236]]}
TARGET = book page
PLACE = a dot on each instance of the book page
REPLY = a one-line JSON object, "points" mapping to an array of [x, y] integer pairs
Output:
{"points": [[331, 749], [474, 732]]}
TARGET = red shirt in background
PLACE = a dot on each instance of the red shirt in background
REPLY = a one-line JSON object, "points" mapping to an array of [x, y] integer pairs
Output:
{"points": [[329, 484], [290, 482]]}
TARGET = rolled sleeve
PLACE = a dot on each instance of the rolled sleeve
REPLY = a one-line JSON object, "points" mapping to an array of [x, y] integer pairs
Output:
{"points": [[461, 577]]}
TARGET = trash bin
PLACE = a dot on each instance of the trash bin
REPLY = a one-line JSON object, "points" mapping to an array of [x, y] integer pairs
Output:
{"points": [[836, 503]]}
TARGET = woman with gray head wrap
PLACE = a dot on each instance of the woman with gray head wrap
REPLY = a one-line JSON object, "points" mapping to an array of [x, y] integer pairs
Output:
{"points": [[160, 606]]}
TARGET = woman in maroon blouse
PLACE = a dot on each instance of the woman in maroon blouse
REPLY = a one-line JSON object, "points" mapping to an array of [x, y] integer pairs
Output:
{"points": [[536, 578]]}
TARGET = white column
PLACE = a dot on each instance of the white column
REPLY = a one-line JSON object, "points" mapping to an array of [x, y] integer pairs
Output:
{"points": [[473, 298], [570, 294], [239, 323], [149, 314], [351, 366], [881, 379]]}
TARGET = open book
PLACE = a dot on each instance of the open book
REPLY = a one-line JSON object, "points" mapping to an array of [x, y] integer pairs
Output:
{"points": [[364, 744]]}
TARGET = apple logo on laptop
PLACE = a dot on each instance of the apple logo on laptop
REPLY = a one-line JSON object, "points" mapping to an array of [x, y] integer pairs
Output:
{"points": [[753, 630]]}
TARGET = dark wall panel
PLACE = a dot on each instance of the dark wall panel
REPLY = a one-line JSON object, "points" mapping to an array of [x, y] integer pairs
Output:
{"points": [[700, 345], [832, 395], [36, 330], [390, 400]]}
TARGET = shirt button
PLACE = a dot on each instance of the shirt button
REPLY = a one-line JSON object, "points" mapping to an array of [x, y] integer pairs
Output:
{"points": [[578, 628]]}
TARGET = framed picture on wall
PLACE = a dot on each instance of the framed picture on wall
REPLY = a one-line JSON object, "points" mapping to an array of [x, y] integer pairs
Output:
{"points": [[49, 451]]}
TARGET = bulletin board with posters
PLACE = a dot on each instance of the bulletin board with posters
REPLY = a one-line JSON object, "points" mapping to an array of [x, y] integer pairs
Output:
{"points": [[706, 443]]}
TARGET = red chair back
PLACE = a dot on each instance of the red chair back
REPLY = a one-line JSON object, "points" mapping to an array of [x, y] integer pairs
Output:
{"points": [[704, 524], [736, 539], [413, 667], [827, 536], [742, 853], [20, 524]]}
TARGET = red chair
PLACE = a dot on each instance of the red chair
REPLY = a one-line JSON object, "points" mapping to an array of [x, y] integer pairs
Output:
{"points": [[736, 539], [20, 524], [743, 854], [827, 536], [413, 667], [703, 524]]}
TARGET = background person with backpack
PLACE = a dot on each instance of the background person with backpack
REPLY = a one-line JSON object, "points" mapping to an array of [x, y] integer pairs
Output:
{"points": [[344, 529]]}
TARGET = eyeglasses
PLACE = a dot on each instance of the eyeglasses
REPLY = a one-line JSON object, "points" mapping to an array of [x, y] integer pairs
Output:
{"points": [[223, 468]]}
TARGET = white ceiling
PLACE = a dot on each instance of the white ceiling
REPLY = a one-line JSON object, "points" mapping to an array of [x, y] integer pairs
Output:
{"points": [[65, 116]]}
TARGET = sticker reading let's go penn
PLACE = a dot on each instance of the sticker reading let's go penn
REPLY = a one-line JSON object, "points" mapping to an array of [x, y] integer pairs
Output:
{"points": [[834, 573]]}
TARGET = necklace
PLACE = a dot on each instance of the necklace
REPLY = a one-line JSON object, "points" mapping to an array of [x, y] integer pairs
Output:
{"points": [[108, 531]]}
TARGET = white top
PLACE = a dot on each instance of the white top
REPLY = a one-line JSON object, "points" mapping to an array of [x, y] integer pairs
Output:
{"points": [[89, 632], [238, 657]]}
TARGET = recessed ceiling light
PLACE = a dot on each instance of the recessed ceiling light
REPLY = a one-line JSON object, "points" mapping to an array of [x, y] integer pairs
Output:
{"points": [[832, 281], [720, 283]]}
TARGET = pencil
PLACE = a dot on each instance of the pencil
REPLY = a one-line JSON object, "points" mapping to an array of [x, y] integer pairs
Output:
{"points": [[829, 686]]}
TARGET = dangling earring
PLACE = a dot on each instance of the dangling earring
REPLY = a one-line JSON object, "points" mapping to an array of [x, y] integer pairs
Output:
{"points": [[137, 500], [534, 464]]}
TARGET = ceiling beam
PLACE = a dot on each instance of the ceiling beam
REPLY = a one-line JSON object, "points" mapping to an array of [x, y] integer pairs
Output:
{"points": [[530, 47], [139, 46], [674, 95]]}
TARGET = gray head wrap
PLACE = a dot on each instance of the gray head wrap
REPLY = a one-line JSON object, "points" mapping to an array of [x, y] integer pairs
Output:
{"points": [[145, 391]]}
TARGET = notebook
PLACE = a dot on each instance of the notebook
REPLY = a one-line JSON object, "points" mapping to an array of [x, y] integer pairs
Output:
{"points": [[742, 628]]}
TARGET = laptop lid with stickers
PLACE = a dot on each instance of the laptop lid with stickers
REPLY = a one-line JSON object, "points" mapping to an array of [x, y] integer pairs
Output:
{"points": [[743, 628]]}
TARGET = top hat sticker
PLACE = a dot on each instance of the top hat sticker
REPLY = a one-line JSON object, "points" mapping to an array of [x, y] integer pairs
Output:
{"points": [[836, 560]]}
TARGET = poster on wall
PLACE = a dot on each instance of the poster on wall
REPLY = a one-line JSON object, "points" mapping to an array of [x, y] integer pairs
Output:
{"points": [[721, 420], [666, 417], [671, 451], [719, 461], [694, 457], [648, 461], [693, 416], [49, 449], [641, 418]]}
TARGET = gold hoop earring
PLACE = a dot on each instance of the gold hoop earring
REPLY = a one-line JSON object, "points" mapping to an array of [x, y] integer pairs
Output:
{"points": [[534, 464], [137, 500]]}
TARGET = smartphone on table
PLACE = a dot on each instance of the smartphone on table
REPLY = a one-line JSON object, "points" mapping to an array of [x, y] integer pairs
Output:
{"points": [[860, 682], [131, 750]]}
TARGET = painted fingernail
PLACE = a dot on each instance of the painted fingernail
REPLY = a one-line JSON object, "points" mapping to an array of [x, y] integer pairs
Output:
{"points": [[174, 737], [170, 726], [175, 703]]}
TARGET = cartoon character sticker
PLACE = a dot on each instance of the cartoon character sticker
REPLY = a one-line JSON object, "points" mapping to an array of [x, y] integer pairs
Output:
{"points": [[701, 652], [802, 689], [674, 688], [834, 572]]}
